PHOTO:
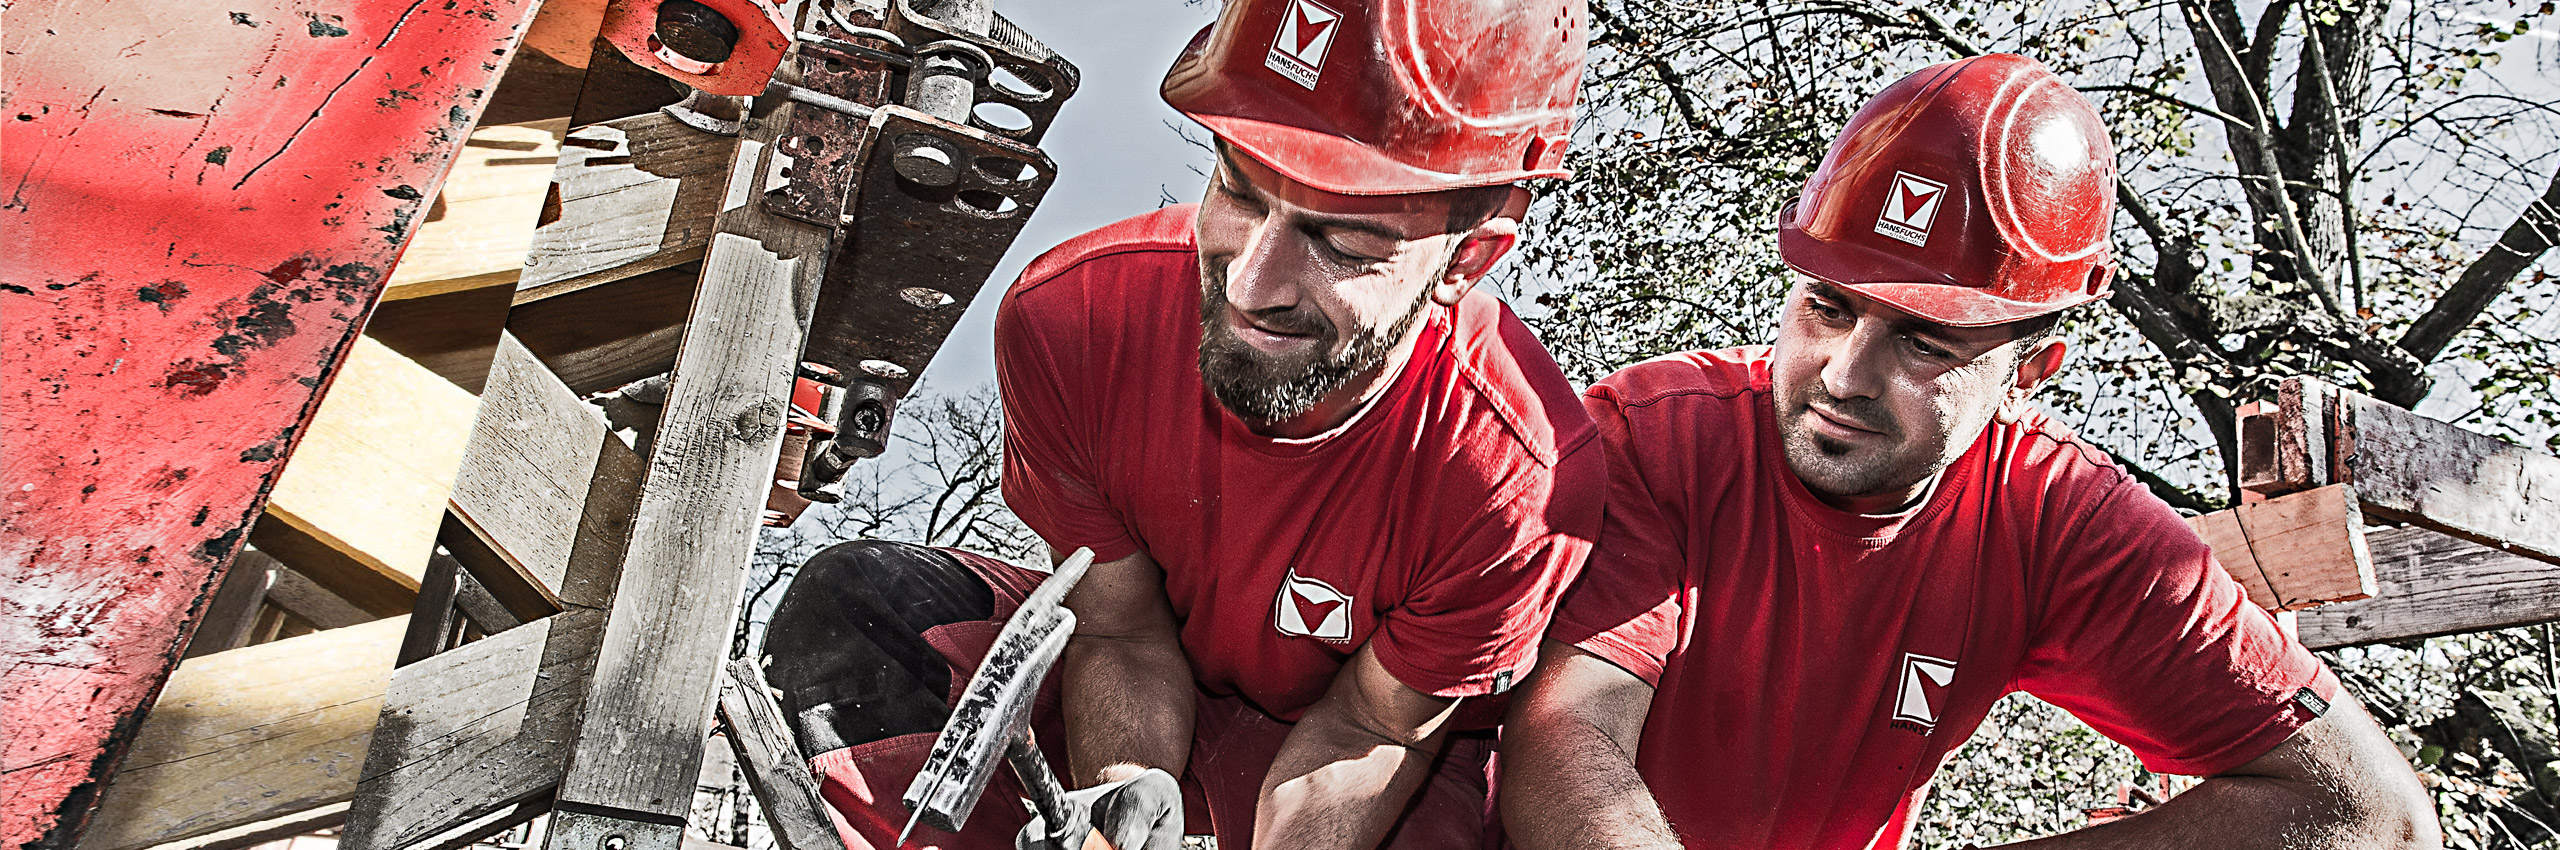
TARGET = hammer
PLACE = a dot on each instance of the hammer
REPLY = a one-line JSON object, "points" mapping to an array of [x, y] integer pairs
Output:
{"points": [[992, 721]]}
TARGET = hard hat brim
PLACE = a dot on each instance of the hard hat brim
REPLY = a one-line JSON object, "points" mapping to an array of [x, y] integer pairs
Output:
{"points": [[1872, 274], [1339, 164]]}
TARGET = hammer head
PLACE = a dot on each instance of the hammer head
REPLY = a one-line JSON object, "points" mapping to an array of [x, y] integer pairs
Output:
{"points": [[995, 710]]}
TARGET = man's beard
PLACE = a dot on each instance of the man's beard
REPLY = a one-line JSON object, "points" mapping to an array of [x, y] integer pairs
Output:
{"points": [[1836, 468], [1261, 388]]}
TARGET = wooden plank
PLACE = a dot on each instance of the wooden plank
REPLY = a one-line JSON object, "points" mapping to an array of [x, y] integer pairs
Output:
{"points": [[431, 626], [249, 735], [2293, 551], [772, 763], [602, 337], [264, 832], [631, 195], [302, 597], [2410, 468], [233, 613], [370, 479], [481, 224], [658, 671], [473, 729], [533, 453], [2430, 584]]}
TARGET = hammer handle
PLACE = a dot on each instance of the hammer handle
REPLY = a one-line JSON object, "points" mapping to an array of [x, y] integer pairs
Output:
{"points": [[1047, 796]]}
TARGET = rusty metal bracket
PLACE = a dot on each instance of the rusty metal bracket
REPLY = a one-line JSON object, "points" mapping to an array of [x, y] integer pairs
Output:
{"points": [[915, 254]]}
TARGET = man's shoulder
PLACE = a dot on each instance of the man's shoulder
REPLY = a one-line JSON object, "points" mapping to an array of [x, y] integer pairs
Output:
{"points": [[1719, 374], [1165, 233], [1504, 362]]}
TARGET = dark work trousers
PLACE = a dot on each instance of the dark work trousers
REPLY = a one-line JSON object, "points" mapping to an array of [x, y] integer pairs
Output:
{"points": [[846, 648]]}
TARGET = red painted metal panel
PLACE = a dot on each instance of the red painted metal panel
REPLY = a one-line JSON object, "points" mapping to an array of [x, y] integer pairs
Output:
{"points": [[198, 205]]}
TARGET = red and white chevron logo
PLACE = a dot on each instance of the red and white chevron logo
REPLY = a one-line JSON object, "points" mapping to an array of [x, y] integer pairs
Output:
{"points": [[1910, 208], [1310, 608], [1304, 39]]}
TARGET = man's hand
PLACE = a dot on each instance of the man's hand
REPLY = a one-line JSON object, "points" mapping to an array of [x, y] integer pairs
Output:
{"points": [[1136, 810], [1124, 684], [2337, 783], [1352, 762], [1569, 758]]}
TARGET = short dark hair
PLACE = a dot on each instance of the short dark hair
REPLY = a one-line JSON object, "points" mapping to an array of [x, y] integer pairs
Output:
{"points": [[1476, 205]]}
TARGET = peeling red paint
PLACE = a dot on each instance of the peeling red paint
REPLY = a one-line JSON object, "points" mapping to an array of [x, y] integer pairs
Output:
{"points": [[196, 213]]}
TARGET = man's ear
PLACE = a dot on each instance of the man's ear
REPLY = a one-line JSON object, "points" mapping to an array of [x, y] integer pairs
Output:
{"points": [[1480, 247], [2035, 366]]}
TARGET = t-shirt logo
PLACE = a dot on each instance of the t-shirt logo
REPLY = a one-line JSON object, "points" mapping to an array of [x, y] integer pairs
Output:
{"points": [[1910, 209], [1923, 681], [1310, 608], [1306, 35]]}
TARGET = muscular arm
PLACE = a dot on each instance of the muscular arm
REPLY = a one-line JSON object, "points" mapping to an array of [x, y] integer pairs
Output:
{"points": [[1569, 758], [2337, 783], [1352, 762], [1124, 684]]}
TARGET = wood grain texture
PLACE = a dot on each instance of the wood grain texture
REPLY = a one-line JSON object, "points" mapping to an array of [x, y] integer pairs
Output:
{"points": [[481, 224], [771, 759], [532, 454], [474, 729], [2294, 551], [373, 471], [2431, 583], [2410, 468], [658, 671], [250, 734], [631, 195], [602, 337]]}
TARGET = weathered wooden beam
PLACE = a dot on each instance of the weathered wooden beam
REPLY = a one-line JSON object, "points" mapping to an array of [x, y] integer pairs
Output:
{"points": [[248, 735], [770, 758], [2410, 468], [2294, 551], [630, 196], [657, 673], [602, 337], [534, 453], [474, 729], [206, 199], [2430, 584], [302, 597]]}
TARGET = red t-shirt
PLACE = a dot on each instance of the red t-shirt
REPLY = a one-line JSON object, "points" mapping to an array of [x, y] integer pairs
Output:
{"points": [[1424, 526], [1812, 668]]}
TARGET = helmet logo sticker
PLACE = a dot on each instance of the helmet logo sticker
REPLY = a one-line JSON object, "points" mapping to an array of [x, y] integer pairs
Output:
{"points": [[1305, 36], [1910, 209]]}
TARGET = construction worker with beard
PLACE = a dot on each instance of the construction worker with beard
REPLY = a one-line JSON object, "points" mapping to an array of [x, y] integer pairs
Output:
{"points": [[1824, 560], [1322, 475]]}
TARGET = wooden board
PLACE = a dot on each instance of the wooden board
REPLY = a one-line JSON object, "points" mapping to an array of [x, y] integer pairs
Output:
{"points": [[602, 337], [2429, 584], [630, 196], [250, 734], [533, 452], [771, 761], [481, 224], [2410, 468], [657, 673], [371, 477], [2294, 551], [474, 729]]}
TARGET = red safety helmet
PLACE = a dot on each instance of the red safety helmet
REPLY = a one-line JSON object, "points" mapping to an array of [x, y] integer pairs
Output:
{"points": [[1382, 97], [1972, 193]]}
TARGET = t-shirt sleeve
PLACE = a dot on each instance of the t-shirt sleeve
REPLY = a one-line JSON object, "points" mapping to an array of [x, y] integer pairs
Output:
{"points": [[1472, 629], [1627, 607], [1049, 466], [2147, 640]]}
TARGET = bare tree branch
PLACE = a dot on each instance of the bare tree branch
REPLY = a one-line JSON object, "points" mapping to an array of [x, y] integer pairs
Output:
{"points": [[2534, 231]]}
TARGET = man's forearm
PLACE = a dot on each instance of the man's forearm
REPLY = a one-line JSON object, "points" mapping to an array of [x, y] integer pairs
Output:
{"points": [[1126, 702], [1566, 785], [2236, 812], [1336, 785]]}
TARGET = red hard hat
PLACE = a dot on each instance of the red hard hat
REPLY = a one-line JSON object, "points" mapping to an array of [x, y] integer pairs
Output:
{"points": [[1381, 97], [1974, 192]]}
